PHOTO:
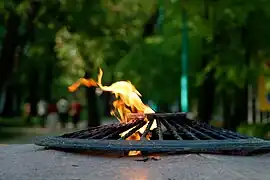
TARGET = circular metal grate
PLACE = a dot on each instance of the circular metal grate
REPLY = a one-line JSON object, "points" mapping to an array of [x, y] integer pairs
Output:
{"points": [[174, 133]]}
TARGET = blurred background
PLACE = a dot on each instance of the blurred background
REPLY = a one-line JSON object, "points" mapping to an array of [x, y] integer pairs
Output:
{"points": [[206, 57]]}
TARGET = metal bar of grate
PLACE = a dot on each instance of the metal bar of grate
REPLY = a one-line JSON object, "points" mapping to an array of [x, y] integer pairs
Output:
{"points": [[100, 131], [159, 130], [225, 131], [136, 128], [119, 131], [113, 130], [185, 131], [96, 132], [77, 133], [202, 135], [218, 132], [211, 133], [206, 133], [105, 133], [147, 130], [214, 131], [171, 129]]}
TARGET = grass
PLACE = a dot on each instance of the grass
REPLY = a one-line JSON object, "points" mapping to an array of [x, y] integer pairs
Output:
{"points": [[14, 130], [22, 135], [12, 122], [5, 135]]}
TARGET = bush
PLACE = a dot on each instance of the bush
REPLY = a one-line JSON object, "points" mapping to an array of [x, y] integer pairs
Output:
{"points": [[257, 130]]}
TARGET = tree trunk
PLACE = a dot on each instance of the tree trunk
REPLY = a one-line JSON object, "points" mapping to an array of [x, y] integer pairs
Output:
{"points": [[13, 46], [33, 91], [9, 46], [47, 82], [206, 99], [240, 112], [93, 113], [207, 90], [108, 101], [8, 103], [7, 60], [149, 26], [240, 109], [227, 110]]}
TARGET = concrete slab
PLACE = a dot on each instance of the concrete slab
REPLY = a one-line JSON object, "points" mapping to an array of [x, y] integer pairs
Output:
{"points": [[30, 162]]}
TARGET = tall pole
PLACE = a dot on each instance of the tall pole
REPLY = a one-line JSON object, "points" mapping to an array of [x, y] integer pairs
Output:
{"points": [[184, 62], [160, 16]]}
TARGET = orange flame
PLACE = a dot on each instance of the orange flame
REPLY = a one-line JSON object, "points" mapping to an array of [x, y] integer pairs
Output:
{"points": [[128, 101], [82, 81]]}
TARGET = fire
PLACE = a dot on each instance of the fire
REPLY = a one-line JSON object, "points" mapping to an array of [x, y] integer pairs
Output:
{"points": [[82, 81], [127, 101]]}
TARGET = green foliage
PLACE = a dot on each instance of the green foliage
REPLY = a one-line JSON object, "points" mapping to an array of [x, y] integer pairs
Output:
{"points": [[72, 36], [257, 130], [154, 65]]}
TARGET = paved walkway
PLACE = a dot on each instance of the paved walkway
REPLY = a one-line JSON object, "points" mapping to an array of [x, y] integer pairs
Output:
{"points": [[30, 162]]}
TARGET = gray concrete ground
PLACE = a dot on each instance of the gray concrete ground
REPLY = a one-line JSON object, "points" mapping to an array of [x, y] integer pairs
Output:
{"points": [[30, 162]]}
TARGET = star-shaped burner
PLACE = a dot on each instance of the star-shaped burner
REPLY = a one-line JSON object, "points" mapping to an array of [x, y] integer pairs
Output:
{"points": [[174, 133]]}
